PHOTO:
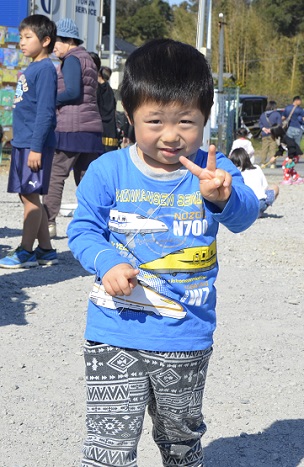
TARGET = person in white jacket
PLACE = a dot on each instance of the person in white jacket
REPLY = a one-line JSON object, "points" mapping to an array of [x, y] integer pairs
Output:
{"points": [[242, 141], [254, 177]]}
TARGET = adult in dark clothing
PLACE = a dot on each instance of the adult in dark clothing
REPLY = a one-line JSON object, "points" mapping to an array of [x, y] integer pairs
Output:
{"points": [[107, 107], [126, 132], [269, 118], [79, 126], [285, 143], [296, 113]]}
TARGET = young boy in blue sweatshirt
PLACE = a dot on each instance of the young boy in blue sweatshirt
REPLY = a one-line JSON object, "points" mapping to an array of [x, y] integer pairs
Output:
{"points": [[146, 226], [34, 122]]}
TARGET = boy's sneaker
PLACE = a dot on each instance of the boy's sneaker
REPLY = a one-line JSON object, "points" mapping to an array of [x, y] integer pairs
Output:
{"points": [[46, 257], [19, 258]]}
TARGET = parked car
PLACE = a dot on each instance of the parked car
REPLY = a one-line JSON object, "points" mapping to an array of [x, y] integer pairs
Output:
{"points": [[251, 108]]}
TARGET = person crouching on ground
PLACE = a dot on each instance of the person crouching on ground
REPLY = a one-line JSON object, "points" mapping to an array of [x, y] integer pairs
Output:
{"points": [[286, 143]]}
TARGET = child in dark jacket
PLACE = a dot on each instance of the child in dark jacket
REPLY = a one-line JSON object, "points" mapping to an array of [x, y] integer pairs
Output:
{"points": [[107, 107]]}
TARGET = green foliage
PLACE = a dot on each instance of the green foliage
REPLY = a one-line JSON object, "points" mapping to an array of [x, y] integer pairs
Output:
{"points": [[264, 39], [184, 25], [125, 9], [285, 16], [146, 20], [262, 60]]}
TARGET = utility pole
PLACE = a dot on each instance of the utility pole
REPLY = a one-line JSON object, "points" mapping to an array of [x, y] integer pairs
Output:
{"points": [[200, 24], [101, 20], [112, 33], [221, 103], [204, 46]]}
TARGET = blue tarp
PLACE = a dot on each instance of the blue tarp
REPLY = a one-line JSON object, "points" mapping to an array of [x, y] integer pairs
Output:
{"points": [[13, 12]]}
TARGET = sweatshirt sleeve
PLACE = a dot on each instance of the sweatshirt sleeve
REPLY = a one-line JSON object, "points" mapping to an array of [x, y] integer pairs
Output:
{"points": [[88, 231], [72, 76], [46, 89]]}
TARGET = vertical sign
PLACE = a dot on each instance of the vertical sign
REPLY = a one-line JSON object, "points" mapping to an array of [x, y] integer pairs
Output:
{"points": [[86, 14]]}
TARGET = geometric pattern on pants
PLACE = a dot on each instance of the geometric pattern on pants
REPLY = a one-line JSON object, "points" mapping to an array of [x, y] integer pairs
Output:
{"points": [[123, 383]]}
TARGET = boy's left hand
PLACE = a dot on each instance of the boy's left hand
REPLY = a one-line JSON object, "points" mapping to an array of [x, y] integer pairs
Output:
{"points": [[34, 161], [215, 184]]}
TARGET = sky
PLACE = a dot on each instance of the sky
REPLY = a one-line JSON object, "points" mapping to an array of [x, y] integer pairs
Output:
{"points": [[174, 2]]}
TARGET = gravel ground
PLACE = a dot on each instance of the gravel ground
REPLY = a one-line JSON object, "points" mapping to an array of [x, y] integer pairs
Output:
{"points": [[254, 405]]}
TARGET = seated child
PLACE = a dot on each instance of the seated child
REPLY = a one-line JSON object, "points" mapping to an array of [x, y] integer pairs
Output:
{"points": [[285, 143], [254, 178], [242, 141]]}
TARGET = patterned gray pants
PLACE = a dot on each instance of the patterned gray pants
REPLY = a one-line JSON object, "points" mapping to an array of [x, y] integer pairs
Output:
{"points": [[121, 383]]}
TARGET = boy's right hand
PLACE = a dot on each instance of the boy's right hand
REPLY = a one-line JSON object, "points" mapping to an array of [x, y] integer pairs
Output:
{"points": [[215, 184], [120, 280], [34, 161]]}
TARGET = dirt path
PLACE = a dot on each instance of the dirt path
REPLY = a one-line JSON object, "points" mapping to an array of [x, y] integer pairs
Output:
{"points": [[254, 405]]}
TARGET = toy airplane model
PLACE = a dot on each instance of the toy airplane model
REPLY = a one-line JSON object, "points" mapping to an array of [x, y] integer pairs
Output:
{"points": [[143, 298]]}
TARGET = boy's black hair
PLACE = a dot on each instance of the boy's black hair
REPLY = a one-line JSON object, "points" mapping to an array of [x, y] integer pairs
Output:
{"points": [[242, 132], [105, 72], [166, 71], [241, 159], [42, 26], [96, 59], [272, 105]]}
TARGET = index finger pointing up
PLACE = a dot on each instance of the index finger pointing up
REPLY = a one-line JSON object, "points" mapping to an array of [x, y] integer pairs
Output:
{"points": [[211, 161]]}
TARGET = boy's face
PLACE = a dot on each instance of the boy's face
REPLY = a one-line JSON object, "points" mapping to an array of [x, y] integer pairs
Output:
{"points": [[31, 46], [164, 133]]}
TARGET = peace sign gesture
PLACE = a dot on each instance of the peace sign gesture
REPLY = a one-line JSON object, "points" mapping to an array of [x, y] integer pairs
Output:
{"points": [[215, 184]]}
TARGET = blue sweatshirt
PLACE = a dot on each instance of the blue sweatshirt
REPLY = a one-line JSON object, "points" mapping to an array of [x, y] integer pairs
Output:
{"points": [[296, 119], [269, 119], [34, 109], [160, 224]]}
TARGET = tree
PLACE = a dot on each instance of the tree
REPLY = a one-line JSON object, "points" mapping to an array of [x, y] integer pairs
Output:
{"points": [[285, 16], [124, 9], [262, 60], [263, 39], [184, 24], [152, 20]]}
